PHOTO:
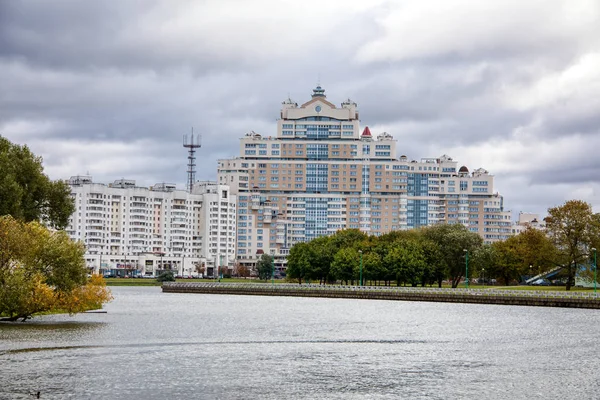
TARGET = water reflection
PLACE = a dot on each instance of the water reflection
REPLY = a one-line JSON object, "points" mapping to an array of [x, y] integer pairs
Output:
{"points": [[155, 346], [220, 343]]}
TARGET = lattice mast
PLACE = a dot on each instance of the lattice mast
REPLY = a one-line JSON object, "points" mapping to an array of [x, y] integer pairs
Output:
{"points": [[191, 142]]}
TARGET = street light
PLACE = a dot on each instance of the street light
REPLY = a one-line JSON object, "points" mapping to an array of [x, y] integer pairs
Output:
{"points": [[530, 271], [361, 262], [273, 268], [595, 270], [483, 273], [466, 268]]}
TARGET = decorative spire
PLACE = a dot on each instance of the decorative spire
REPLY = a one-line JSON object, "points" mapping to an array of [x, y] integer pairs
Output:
{"points": [[318, 92], [366, 132]]}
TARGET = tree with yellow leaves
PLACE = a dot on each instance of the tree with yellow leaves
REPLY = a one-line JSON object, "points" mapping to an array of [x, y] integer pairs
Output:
{"points": [[43, 271]]}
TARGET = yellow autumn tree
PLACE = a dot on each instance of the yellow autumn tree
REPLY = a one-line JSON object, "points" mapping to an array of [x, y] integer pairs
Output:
{"points": [[43, 271]]}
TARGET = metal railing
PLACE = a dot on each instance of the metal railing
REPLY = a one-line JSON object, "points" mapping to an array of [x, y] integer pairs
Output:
{"points": [[388, 289]]}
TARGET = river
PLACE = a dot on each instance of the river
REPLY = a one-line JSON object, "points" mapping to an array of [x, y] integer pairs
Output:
{"points": [[150, 345]]}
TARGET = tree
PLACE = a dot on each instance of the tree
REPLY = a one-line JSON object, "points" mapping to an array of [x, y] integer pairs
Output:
{"points": [[345, 266], [535, 248], [298, 264], [435, 270], [574, 229], [407, 261], [485, 258], [452, 240], [320, 253], [507, 261], [200, 268], [241, 270], [373, 267], [43, 271], [27, 193], [264, 267]]}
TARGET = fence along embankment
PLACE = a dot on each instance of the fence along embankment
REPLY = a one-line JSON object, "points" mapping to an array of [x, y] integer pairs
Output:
{"points": [[445, 295]]}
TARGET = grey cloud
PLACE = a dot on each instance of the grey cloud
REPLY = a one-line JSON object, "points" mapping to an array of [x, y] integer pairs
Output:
{"points": [[577, 172], [85, 66]]}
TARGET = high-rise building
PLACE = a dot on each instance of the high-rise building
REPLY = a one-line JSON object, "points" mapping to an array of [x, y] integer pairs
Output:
{"points": [[132, 230], [320, 173]]}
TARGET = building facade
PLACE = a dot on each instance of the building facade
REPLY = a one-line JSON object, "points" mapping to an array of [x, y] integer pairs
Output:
{"points": [[129, 230], [321, 173], [527, 220]]}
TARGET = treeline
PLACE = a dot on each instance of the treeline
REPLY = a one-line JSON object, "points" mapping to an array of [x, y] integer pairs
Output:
{"points": [[433, 254]]}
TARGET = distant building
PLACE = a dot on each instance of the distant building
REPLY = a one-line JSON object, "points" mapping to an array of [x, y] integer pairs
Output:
{"points": [[527, 220], [131, 230], [320, 174]]}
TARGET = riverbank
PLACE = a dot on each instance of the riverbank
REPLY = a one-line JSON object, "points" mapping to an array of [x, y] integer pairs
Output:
{"points": [[477, 296]]}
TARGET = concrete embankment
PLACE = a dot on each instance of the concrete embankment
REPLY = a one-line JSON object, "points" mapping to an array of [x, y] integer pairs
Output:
{"points": [[479, 296]]}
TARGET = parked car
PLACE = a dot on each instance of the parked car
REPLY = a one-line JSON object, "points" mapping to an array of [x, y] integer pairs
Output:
{"points": [[541, 282]]}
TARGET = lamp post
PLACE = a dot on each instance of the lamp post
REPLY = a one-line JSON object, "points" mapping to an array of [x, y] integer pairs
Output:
{"points": [[219, 267], [273, 268], [595, 270], [483, 273], [161, 261], [466, 268], [361, 262], [530, 271]]}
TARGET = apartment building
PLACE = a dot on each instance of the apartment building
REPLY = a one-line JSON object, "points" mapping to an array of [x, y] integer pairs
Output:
{"points": [[130, 230], [320, 173], [527, 220]]}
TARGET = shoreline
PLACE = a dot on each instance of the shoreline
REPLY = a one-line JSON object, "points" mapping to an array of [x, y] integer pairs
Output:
{"points": [[445, 295]]}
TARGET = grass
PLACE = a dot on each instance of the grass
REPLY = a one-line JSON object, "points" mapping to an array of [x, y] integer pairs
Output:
{"points": [[538, 288], [153, 282], [131, 282]]}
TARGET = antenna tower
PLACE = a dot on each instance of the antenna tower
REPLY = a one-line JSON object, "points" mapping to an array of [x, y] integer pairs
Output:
{"points": [[191, 142]]}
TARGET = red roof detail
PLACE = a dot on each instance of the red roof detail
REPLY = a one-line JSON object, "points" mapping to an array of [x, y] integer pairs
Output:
{"points": [[366, 132]]}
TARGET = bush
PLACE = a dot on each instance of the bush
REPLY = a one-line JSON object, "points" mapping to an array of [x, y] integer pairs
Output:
{"points": [[166, 276]]}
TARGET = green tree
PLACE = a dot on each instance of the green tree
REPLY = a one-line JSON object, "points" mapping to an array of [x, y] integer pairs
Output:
{"points": [[508, 262], [574, 229], [484, 258], [264, 267], [298, 263], [535, 248], [345, 266], [43, 271], [320, 253], [407, 260], [27, 193], [372, 266], [347, 238], [452, 240]]}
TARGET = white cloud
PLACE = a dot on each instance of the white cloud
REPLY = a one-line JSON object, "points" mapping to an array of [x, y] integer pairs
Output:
{"points": [[464, 28]]}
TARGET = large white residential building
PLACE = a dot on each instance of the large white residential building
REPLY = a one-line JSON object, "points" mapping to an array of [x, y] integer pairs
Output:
{"points": [[319, 173], [131, 230]]}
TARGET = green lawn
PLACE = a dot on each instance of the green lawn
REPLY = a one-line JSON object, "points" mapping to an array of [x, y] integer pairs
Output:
{"points": [[540, 288], [131, 282], [153, 282]]}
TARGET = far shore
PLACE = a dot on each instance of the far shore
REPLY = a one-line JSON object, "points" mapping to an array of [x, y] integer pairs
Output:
{"points": [[154, 282]]}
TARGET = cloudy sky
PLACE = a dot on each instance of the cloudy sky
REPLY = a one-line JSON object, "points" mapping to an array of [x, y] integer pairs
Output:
{"points": [[110, 87]]}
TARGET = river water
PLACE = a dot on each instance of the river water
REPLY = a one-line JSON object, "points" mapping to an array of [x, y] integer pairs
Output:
{"points": [[151, 345]]}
